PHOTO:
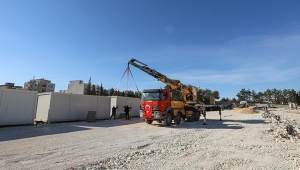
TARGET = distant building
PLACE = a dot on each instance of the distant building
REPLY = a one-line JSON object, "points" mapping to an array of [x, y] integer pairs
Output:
{"points": [[40, 85], [8, 85], [78, 87]]}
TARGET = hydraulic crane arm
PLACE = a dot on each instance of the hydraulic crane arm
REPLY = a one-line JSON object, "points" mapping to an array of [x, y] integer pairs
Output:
{"points": [[174, 84]]}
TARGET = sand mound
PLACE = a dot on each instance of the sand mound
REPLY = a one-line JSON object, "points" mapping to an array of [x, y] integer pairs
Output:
{"points": [[245, 110]]}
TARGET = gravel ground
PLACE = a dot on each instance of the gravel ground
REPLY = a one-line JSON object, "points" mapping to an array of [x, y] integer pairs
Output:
{"points": [[240, 141]]}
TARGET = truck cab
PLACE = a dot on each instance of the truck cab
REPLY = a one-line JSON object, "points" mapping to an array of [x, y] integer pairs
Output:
{"points": [[154, 104]]}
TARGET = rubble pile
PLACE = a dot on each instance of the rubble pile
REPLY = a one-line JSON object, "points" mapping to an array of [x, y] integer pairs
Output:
{"points": [[282, 128], [245, 110]]}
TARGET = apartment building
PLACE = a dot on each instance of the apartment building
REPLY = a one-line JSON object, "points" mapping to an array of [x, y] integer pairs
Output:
{"points": [[40, 85], [8, 85]]}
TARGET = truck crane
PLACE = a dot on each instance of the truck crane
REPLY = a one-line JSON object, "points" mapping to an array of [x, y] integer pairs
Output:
{"points": [[157, 105]]}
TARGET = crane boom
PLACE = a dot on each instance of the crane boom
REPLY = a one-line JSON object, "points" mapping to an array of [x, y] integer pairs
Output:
{"points": [[174, 84]]}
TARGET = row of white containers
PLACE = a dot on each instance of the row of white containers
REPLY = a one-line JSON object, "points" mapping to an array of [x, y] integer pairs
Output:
{"points": [[23, 107]]}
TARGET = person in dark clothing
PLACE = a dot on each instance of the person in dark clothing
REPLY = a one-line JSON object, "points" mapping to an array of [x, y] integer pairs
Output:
{"points": [[126, 110], [113, 112]]}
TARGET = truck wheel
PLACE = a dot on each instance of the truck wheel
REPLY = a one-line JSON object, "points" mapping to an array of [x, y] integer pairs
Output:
{"points": [[188, 118], [168, 119], [193, 117], [183, 117], [197, 117], [149, 121], [177, 119]]}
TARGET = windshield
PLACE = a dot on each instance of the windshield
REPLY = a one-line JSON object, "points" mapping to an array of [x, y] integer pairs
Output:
{"points": [[150, 96]]}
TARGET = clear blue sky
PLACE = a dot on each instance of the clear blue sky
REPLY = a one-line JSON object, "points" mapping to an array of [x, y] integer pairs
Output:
{"points": [[219, 45]]}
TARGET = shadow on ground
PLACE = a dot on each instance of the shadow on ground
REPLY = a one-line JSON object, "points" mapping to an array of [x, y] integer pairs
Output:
{"points": [[214, 124], [22, 132]]}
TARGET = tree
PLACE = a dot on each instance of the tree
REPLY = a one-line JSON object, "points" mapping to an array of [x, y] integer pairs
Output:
{"points": [[216, 94], [101, 90], [205, 94], [111, 91], [105, 92], [241, 95], [248, 95], [276, 95], [293, 96], [298, 97], [254, 96], [233, 99], [268, 95], [93, 91], [130, 93], [285, 95], [87, 90], [224, 99], [260, 96], [200, 95]]}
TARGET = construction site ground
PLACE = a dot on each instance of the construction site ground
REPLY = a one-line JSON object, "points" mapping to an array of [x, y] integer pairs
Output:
{"points": [[243, 140]]}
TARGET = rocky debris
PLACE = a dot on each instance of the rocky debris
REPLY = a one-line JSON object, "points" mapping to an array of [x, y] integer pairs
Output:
{"points": [[283, 129]]}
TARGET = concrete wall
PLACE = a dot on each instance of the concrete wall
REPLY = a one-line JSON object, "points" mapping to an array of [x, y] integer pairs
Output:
{"points": [[17, 107]]}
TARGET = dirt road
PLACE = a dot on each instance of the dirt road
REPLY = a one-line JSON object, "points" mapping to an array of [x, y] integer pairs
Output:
{"points": [[240, 141]]}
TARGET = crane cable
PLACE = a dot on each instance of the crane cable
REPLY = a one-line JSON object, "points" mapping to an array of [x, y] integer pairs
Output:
{"points": [[134, 81], [120, 81], [127, 70]]}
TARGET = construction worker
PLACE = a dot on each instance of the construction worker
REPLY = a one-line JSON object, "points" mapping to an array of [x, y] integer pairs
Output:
{"points": [[126, 110], [113, 112]]}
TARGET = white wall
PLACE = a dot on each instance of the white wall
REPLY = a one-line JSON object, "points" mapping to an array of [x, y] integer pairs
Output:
{"points": [[17, 107], [57, 107]]}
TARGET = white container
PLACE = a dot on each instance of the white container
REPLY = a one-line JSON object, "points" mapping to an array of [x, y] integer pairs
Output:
{"points": [[17, 107], [59, 107], [120, 101]]}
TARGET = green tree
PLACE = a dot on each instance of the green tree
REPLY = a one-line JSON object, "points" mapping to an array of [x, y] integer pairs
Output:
{"points": [[248, 95], [87, 90], [216, 94], [130, 93], [260, 96], [242, 95], [205, 94], [101, 90], [285, 95], [105, 92], [93, 91], [298, 97], [268, 95], [275, 95], [254, 96], [111, 91], [224, 99], [293, 96]]}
